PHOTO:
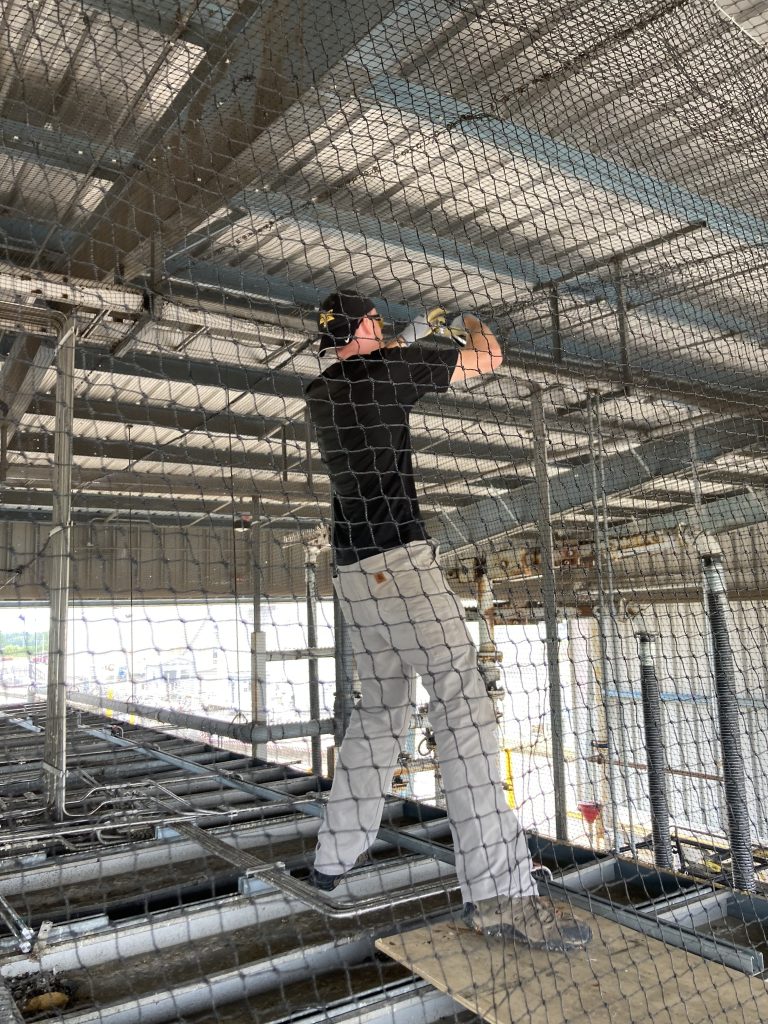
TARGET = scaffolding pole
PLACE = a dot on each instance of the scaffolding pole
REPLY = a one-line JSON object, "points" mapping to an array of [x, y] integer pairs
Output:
{"points": [[258, 637], [55, 752], [549, 597], [244, 732], [657, 767], [314, 676], [595, 444], [734, 777]]}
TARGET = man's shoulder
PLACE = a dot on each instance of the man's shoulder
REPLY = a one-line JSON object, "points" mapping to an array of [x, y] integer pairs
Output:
{"points": [[339, 377]]}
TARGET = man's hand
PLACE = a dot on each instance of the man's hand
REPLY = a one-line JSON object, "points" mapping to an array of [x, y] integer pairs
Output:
{"points": [[455, 331], [418, 328]]}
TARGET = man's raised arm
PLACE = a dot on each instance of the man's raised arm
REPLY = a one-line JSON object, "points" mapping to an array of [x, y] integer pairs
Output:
{"points": [[482, 352]]}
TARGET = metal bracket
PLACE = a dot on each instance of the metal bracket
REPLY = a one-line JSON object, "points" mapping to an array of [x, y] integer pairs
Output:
{"points": [[22, 933]]}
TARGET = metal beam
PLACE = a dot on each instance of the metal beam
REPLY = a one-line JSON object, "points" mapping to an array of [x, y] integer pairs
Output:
{"points": [[173, 418], [720, 516], [235, 425], [579, 355], [203, 24], [283, 383], [236, 92], [582, 357], [27, 235], [549, 594], [232, 377], [244, 983], [54, 148], [263, 290], [149, 483], [248, 732], [105, 503], [272, 492], [176, 452], [59, 577], [494, 516], [136, 503], [662, 197], [677, 312], [15, 514], [370, 238], [21, 287], [20, 377], [196, 455]]}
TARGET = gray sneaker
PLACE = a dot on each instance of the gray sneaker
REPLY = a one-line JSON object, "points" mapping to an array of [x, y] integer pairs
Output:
{"points": [[534, 920]]}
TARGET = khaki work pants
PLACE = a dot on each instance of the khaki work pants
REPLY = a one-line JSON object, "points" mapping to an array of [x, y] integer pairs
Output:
{"points": [[404, 618]]}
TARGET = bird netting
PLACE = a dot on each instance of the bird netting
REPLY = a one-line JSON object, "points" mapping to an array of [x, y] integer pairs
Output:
{"points": [[383, 511]]}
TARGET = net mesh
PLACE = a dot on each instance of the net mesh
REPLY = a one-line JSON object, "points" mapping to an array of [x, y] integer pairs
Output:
{"points": [[513, 559]]}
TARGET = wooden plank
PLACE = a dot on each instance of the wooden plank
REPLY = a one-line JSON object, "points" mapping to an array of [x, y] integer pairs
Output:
{"points": [[623, 977]]}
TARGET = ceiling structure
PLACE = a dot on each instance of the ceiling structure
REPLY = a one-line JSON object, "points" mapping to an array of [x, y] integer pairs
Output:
{"points": [[188, 182]]}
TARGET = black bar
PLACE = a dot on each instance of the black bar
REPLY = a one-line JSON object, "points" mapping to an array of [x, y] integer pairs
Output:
{"points": [[657, 790], [734, 778]]}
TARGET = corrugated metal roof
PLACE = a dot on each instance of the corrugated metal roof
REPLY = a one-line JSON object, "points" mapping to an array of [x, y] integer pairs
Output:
{"points": [[575, 134]]}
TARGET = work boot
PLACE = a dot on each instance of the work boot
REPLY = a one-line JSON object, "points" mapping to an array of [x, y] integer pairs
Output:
{"points": [[326, 883], [533, 920], [323, 882]]}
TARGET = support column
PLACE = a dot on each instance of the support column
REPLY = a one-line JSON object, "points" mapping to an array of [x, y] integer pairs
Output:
{"points": [[621, 318], [3, 449], [734, 778], [258, 637], [611, 754], [557, 337], [657, 767], [311, 553], [549, 597], [55, 751]]}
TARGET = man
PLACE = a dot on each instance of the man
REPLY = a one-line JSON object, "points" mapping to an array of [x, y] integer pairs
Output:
{"points": [[404, 618]]}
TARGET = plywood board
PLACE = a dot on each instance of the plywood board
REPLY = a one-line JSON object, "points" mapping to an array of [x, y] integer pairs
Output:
{"points": [[623, 977]]}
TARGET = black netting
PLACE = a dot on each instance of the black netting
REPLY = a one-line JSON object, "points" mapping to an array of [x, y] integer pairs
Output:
{"points": [[390, 373]]}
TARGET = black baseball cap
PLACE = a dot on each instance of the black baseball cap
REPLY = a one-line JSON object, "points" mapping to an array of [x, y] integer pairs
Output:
{"points": [[339, 316]]}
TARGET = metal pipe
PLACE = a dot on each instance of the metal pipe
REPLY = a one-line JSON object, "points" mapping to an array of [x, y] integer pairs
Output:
{"points": [[594, 407], [3, 450], [729, 719], [397, 837], [249, 732], [258, 636], [308, 449], [615, 659], [657, 768], [314, 675], [587, 268], [549, 598], [328, 906], [557, 337], [621, 317], [55, 755]]}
